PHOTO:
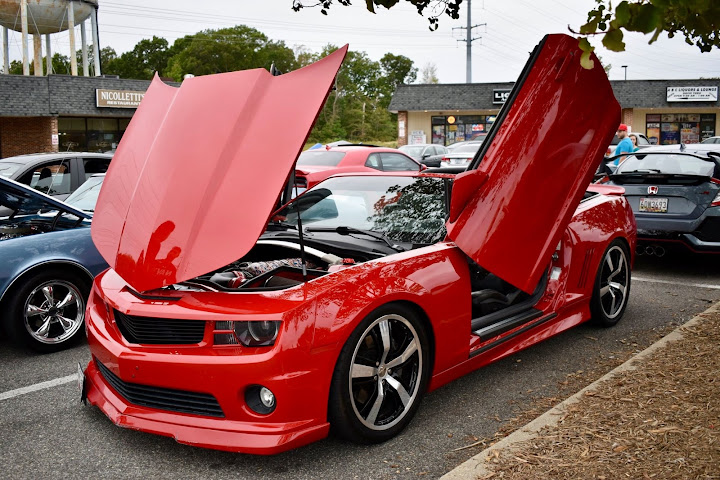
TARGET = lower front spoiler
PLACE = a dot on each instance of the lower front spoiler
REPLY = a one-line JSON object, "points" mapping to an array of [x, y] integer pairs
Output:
{"points": [[218, 434]]}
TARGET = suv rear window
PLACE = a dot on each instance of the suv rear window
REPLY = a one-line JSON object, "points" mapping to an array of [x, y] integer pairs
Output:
{"points": [[320, 157]]}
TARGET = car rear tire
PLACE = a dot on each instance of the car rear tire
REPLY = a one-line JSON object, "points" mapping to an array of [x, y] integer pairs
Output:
{"points": [[380, 376], [612, 285], [47, 310]]}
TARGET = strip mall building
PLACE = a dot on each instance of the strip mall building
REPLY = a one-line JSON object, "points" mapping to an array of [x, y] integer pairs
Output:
{"points": [[65, 113], [69, 113], [667, 111]]}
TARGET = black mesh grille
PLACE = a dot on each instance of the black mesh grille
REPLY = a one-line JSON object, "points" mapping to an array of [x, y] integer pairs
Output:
{"points": [[163, 398], [159, 331], [709, 230]]}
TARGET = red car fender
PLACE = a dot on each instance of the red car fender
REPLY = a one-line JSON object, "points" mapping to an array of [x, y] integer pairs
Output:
{"points": [[436, 283]]}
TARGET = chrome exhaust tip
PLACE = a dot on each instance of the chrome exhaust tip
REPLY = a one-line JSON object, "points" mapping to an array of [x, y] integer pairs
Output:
{"points": [[659, 251]]}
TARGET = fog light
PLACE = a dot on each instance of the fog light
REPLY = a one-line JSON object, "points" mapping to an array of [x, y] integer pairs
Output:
{"points": [[267, 398], [260, 399]]}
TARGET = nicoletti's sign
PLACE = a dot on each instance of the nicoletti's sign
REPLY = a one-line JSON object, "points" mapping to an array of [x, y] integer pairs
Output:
{"points": [[117, 98]]}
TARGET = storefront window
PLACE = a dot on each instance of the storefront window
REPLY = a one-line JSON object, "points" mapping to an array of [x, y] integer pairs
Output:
{"points": [[674, 128], [438, 130], [451, 129], [90, 134], [72, 134]]}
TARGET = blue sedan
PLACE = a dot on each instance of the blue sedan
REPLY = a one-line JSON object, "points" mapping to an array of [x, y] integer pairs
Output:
{"points": [[47, 263]]}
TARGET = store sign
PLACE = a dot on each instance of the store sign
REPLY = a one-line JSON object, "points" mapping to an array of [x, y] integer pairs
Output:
{"points": [[500, 96], [417, 137], [692, 94], [117, 98]]}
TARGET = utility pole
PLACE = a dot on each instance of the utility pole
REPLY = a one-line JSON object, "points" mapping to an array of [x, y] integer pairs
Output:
{"points": [[468, 40]]}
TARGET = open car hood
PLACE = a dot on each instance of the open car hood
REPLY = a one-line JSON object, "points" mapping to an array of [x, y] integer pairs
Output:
{"points": [[509, 210], [200, 168], [21, 198]]}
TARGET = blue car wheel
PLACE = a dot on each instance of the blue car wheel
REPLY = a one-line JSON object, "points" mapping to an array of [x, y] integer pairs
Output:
{"points": [[47, 310]]}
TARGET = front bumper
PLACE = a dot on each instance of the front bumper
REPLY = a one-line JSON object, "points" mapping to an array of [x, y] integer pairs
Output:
{"points": [[219, 434], [298, 377]]}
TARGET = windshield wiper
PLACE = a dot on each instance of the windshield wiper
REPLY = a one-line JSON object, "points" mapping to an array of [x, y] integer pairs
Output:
{"points": [[344, 230], [648, 170]]}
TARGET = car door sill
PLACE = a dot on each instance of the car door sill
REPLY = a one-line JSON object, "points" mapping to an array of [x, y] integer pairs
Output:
{"points": [[512, 322]]}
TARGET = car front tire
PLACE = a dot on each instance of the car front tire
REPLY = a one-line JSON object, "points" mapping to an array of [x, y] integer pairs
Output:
{"points": [[380, 376], [612, 285], [47, 310]]}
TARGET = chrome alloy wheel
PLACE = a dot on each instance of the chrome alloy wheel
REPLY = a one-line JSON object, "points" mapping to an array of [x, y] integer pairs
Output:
{"points": [[54, 311], [614, 280], [386, 372]]}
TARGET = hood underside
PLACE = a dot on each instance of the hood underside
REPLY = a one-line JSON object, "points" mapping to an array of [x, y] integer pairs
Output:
{"points": [[200, 168]]}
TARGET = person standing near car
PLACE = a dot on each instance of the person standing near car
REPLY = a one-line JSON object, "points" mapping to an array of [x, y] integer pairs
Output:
{"points": [[633, 139], [625, 145]]}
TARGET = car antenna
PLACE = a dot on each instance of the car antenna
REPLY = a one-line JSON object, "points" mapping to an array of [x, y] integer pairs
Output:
{"points": [[274, 71], [682, 147]]}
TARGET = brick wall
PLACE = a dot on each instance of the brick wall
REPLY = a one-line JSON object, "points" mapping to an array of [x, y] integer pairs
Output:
{"points": [[22, 135], [402, 120], [627, 117]]}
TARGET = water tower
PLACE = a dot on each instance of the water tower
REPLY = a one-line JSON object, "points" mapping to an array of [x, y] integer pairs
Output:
{"points": [[45, 17]]}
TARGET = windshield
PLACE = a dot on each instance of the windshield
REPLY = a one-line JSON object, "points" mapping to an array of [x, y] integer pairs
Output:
{"points": [[669, 163], [404, 209], [7, 169], [320, 157], [85, 197], [412, 150]]}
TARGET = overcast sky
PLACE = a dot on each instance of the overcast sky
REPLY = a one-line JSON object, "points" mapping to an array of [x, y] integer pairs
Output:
{"points": [[512, 28]]}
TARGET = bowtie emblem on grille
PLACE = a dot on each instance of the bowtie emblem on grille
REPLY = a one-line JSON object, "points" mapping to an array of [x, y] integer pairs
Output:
{"points": [[652, 190]]}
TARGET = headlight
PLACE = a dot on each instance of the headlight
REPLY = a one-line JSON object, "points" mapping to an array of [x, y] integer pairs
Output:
{"points": [[250, 334]]}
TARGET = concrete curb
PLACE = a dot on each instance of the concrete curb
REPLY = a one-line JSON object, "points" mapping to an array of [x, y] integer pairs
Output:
{"points": [[476, 466]]}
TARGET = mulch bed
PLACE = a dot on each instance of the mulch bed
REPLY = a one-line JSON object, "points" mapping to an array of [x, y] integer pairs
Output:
{"points": [[660, 420]]}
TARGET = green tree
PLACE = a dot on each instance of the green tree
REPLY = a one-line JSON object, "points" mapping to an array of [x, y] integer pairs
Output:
{"points": [[60, 65], [147, 57], [357, 108], [429, 73], [226, 50], [396, 70]]}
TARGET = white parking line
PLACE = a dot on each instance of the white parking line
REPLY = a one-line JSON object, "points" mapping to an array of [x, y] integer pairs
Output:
{"points": [[699, 285], [38, 386]]}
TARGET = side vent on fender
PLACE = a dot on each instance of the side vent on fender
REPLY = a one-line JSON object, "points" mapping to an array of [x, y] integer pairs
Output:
{"points": [[585, 268]]}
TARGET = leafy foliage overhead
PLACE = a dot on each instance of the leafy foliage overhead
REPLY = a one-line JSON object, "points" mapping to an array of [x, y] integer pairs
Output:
{"points": [[697, 20], [435, 7]]}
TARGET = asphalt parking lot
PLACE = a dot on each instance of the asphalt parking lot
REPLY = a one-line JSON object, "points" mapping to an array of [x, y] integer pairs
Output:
{"points": [[47, 433]]}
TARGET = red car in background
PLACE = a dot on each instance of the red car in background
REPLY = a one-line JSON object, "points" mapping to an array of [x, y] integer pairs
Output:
{"points": [[314, 166], [244, 329]]}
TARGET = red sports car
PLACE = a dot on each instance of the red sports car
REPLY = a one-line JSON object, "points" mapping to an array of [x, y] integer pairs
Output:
{"points": [[226, 325], [314, 166]]}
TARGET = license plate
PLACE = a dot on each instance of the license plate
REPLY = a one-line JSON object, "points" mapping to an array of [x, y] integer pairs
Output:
{"points": [[81, 382], [654, 205]]}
